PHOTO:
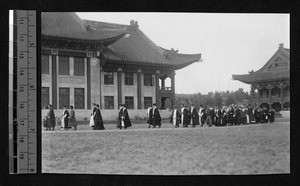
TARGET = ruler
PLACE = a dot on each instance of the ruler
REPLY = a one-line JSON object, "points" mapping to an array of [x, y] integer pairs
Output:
{"points": [[24, 90]]}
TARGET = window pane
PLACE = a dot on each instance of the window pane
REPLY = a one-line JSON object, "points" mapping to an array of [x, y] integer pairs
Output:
{"points": [[147, 102], [79, 98], [63, 65], [64, 97], [129, 102], [45, 64], [108, 78], [78, 66], [45, 96], [148, 80], [109, 102], [128, 78]]}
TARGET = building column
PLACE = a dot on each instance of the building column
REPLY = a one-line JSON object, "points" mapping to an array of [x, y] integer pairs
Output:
{"points": [[157, 88], [173, 89], [270, 95], [54, 82], [163, 83], [119, 85], [139, 88], [281, 91], [88, 82]]}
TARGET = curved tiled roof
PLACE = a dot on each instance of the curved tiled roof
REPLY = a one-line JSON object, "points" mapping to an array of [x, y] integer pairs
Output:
{"points": [[69, 25], [266, 75], [138, 48]]}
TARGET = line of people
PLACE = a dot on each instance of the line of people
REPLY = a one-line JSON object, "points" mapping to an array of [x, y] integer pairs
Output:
{"points": [[220, 116], [68, 119]]}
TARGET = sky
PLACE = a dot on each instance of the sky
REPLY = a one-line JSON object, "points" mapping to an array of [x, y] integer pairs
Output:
{"points": [[229, 43]]}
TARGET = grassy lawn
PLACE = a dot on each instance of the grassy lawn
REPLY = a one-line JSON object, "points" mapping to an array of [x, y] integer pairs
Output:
{"points": [[249, 149]]}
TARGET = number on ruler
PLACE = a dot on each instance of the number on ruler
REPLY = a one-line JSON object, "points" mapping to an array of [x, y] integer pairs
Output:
{"points": [[31, 170], [21, 55], [21, 89], [21, 156], [21, 139], [21, 106], [21, 21], [22, 122], [21, 38], [21, 72], [31, 86]]}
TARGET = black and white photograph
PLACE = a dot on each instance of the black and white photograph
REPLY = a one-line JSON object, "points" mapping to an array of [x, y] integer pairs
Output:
{"points": [[165, 93]]}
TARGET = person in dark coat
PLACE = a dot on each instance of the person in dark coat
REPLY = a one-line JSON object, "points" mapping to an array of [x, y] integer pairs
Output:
{"points": [[250, 114], [119, 124], [156, 118], [125, 117], [209, 116], [175, 117], [218, 116], [237, 115], [51, 118], [185, 116], [194, 117], [243, 119], [98, 119], [149, 114], [223, 117], [230, 114], [45, 118], [72, 118], [272, 115], [265, 115]]}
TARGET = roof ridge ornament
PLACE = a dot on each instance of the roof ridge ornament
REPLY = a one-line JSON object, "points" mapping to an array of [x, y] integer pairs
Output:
{"points": [[134, 24]]}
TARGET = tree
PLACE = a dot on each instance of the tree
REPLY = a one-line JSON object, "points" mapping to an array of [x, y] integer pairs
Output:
{"points": [[230, 100], [218, 99]]}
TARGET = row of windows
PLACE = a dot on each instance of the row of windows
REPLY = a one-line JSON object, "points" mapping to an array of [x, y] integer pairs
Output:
{"points": [[109, 79], [64, 69], [64, 99], [64, 65], [129, 102]]}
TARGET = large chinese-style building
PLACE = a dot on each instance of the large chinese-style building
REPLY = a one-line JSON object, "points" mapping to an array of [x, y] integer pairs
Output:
{"points": [[85, 62], [270, 85]]}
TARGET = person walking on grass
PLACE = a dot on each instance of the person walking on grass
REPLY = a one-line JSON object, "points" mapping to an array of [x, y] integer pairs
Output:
{"points": [[51, 118], [65, 119], [156, 118], [45, 118], [72, 119], [194, 116], [149, 114], [98, 119], [185, 120], [201, 114], [125, 117], [175, 117]]}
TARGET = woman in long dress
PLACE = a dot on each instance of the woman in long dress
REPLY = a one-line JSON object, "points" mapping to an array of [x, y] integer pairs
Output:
{"points": [[65, 119], [98, 119], [126, 119], [72, 119], [51, 118]]}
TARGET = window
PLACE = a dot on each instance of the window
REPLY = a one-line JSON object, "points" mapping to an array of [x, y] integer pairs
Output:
{"points": [[129, 102], [148, 80], [109, 102], [78, 66], [45, 64], [79, 98], [64, 65], [128, 78], [147, 102], [64, 97], [45, 96], [108, 78]]}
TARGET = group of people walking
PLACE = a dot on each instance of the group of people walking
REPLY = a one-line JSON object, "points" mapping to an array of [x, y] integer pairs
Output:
{"points": [[68, 119], [221, 116]]}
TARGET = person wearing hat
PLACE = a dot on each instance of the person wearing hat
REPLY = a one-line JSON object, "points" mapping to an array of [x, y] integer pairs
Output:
{"points": [[175, 117], [51, 117], [98, 119], [201, 114], [156, 118]]}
